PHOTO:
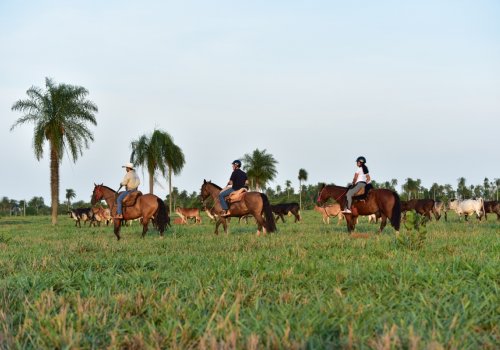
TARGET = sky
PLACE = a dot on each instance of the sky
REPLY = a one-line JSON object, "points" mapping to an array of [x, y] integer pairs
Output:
{"points": [[414, 86]]}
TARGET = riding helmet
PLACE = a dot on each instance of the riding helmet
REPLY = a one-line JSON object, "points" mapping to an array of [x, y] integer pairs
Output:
{"points": [[237, 162], [361, 159]]}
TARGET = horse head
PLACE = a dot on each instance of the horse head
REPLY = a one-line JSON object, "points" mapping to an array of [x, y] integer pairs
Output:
{"points": [[321, 194], [204, 192], [97, 194]]}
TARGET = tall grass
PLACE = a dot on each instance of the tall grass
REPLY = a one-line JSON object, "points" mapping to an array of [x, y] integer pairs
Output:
{"points": [[308, 286]]}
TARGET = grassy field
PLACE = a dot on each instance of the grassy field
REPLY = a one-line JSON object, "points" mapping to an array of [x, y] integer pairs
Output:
{"points": [[308, 286]]}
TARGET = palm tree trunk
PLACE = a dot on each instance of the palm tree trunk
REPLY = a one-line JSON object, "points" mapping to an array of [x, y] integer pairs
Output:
{"points": [[300, 195], [151, 182], [54, 182], [170, 189]]}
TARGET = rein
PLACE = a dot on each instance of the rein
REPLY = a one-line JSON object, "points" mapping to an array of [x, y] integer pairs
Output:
{"points": [[337, 199]]}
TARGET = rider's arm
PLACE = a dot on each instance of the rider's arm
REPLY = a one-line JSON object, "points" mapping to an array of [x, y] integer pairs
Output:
{"points": [[368, 178], [125, 180], [355, 178]]}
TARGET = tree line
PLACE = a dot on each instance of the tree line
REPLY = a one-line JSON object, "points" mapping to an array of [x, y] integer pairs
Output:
{"points": [[62, 114], [285, 193]]}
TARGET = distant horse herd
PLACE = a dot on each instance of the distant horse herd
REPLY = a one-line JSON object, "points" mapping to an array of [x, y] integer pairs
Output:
{"points": [[377, 204]]}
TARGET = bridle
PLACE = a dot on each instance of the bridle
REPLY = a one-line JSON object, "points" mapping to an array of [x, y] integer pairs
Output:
{"points": [[108, 197], [336, 199]]}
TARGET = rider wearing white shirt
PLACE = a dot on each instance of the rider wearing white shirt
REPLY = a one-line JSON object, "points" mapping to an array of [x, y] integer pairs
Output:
{"points": [[360, 180]]}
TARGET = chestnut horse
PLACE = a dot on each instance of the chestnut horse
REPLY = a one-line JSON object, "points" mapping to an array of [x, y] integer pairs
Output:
{"points": [[147, 206], [253, 203], [381, 201]]}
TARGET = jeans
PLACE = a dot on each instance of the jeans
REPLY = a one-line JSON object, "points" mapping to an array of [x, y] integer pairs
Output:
{"points": [[223, 194], [120, 199], [352, 191]]}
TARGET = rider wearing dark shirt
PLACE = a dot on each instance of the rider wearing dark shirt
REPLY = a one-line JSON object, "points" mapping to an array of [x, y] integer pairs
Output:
{"points": [[237, 181]]}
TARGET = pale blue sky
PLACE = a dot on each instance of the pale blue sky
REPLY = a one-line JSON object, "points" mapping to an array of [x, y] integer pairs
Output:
{"points": [[414, 86]]}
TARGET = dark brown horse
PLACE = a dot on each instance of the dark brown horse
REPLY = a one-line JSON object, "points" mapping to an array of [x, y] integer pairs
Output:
{"points": [[147, 206], [422, 206], [253, 203], [382, 202]]}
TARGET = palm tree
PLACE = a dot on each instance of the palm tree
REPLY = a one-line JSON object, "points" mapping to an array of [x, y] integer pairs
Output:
{"points": [[60, 114], [70, 194], [146, 152], [288, 185], [260, 167], [174, 158], [302, 177], [461, 188], [158, 152], [497, 185]]}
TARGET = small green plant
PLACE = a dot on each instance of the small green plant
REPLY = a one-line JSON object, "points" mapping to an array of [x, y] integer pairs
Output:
{"points": [[4, 239], [415, 231]]}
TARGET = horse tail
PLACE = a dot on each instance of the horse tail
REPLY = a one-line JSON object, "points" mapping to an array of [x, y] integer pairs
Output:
{"points": [[269, 223], [396, 212], [161, 217]]}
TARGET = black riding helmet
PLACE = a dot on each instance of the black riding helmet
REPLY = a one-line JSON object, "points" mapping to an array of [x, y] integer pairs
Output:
{"points": [[361, 159], [237, 162]]}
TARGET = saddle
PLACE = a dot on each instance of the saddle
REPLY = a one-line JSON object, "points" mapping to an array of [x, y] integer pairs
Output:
{"points": [[362, 194], [236, 196], [131, 198]]}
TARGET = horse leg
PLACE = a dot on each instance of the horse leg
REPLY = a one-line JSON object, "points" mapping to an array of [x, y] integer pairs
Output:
{"points": [[348, 219], [260, 222], [354, 221], [117, 225], [145, 223], [383, 222]]}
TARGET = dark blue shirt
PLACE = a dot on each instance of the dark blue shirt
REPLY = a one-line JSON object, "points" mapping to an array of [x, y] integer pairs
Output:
{"points": [[238, 177]]}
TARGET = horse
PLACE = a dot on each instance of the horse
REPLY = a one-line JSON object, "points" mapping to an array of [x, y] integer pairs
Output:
{"points": [[283, 209], [381, 201], [253, 203], [422, 206], [147, 206]]}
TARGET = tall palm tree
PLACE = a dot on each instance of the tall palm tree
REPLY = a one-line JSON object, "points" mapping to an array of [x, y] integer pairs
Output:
{"points": [[497, 185], [302, 177], [158, 152], [462, 188], [60, 115], [70, 194], [147, 152], [260, 167], [174, 159], [288, 186]]}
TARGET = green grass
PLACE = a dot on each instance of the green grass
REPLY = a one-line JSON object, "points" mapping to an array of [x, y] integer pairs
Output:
{"points": [[308, 286]]}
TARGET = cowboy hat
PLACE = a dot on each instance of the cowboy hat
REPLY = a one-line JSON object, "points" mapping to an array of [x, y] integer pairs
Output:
{"points": [[128, 165]]}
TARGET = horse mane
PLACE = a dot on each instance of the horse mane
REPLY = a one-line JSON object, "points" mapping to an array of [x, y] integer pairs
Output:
{"points": [[333, 185], [216, 186], [109, 188]]}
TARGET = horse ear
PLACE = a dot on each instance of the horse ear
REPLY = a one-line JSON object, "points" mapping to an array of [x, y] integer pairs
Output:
{"points": [[321, 186], [204, 181]]}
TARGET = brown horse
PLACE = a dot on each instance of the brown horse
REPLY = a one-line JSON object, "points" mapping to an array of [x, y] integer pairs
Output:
{"points": [[253, 203], [422, 206], [384, 202], [147, 207]]}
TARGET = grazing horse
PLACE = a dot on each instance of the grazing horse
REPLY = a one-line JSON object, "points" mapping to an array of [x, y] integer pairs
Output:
{"points": [[253, 203], [421, 206], [381, 201], [492, 207], [283, 209], [147, 207]]}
